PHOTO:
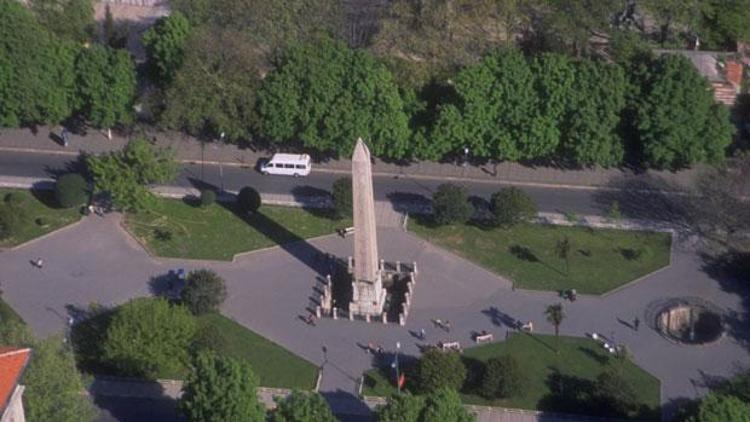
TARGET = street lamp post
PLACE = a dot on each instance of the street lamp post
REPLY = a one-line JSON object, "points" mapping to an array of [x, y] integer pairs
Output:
{"points": [[221, 166], [395, 365]]}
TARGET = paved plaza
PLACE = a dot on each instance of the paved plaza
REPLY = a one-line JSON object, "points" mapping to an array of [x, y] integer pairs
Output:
{"points": [[97, 261]]}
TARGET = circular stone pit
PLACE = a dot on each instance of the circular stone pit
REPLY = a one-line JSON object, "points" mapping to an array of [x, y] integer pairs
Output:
{"points": [[690, 323]]}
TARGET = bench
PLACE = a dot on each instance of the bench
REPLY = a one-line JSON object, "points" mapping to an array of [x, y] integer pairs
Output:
{"points": [[346, 232], [450, 345], [483, 337]]}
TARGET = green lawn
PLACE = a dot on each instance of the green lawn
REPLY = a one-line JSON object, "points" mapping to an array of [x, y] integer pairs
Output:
{"points": [[9, 314], [178, 229], [41, 215], [599, 260], [276, 366], [579, 362]]}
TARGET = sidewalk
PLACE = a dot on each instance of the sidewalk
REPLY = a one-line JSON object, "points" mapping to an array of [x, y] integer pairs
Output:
{"points": [[188, 149]]}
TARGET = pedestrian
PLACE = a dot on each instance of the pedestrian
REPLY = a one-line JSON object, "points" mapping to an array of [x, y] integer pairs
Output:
{"points": [[447, 325], [39, 263], [422, 334], [380, 349], [64, 136], [636, 323], [370, 348]]}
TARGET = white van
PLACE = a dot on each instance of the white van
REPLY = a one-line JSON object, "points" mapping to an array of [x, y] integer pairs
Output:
{"points": [[287, 165]]}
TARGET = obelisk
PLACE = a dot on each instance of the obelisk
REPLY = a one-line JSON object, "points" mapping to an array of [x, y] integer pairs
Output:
{"points": [[368, 295]]}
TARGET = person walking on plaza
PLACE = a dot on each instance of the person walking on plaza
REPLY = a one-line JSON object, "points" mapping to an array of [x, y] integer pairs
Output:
{"points": [[636, 323]]}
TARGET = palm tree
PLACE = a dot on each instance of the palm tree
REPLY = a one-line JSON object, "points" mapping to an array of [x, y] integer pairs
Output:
{"points": [[562, 249], [555, 316]]}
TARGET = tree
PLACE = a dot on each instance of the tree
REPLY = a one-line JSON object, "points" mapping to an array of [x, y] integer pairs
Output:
{"points": [[37, 83], [450, 205], [106, 86], [12, 219], [615, 393], [165, 45], [325, 96], [149, 338], [562, 250], [342, 197], [678, 122], [219, 388], [555, 316], [723, 23], [208, 197], [590, 129], [126, 174], [69, 19], [204, 291], [720, 408], [402, 408], [214, 90], [248, 199], [303, 407], [502, 378], [511, 206], [444, 404], [502, 110], [54, 386], [71, 190], [437, 369]]}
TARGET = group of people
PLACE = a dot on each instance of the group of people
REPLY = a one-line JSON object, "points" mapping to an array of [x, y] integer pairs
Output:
{"points": [[445, 325]]}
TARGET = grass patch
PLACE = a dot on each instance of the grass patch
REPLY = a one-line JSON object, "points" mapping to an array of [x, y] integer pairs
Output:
{"points": [[578, 363], [180, 229], [41, 215], [599, 260], [8, 314], [274, 365]]}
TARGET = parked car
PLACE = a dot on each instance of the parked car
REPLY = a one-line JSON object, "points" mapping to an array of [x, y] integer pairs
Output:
{"points": [[287, 165]]}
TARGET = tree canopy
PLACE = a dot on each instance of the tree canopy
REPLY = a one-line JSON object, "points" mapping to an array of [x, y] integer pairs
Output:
{"points": [[54, 385], [303, 407], [325, 96], [37, 83], [219, 388], [165, 45], [149, 338], [106, 85], [437, 369], [678, 121], [69, 19]]}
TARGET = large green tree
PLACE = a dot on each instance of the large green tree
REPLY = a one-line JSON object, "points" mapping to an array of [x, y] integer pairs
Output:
{"points": [[37, 83], [325, 96], [69, 19], [508, 109], [126, 174], [590, 131], [401, 408], [106, 86], [54, 386], [220, 388], [303, 407], [149, 338], [723, 23], [721, 408], [165, 45], [444, 404], [678, 121]]}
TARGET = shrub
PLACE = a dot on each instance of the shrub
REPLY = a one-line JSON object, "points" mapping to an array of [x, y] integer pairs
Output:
{"points": [[220, 388], [502, 378], [437, 369], [204, 292], [248, 199], [342, 197], [303, 407], [71, 190], [149, 338], [15, 199], [208, 197], [511, 206], [451, 205], [41, 221], [11, 220]]}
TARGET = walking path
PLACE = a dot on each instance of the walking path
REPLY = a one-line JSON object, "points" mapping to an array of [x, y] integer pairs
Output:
{"points": [[190, 150]]}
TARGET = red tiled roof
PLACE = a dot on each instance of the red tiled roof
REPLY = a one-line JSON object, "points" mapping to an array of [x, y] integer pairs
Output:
{"points": [[12, 363], [734, 72]]}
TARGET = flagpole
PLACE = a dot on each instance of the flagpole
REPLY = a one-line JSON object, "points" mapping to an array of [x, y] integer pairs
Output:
{"points": [[398, 378]]}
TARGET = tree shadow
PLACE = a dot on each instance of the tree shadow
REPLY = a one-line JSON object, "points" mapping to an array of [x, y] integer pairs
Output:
{"points": [[88, 337], [598, 357], [76, 165], [166, 285], [567, 394], [412, 203], [290, 242], [347, 406], [157, 408]]}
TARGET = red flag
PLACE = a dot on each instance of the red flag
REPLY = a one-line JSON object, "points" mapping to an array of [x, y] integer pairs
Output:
{"points": [[401, 381]]}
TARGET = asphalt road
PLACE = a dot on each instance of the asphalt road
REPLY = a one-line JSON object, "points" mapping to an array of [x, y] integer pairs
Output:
{"points": [[549, 199]]}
